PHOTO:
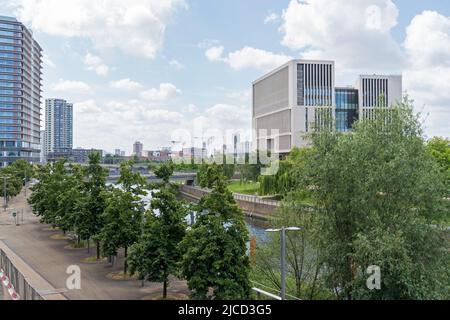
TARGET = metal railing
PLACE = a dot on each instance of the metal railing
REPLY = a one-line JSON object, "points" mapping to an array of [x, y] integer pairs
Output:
{"points": [[260, 292], [239, 196], [255, 199], [19, 282]]}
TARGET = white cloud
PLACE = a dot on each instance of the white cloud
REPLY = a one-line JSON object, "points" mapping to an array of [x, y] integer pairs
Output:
{"points": [[125, 84], [71, 87], [96, 124], [427, 77], [428, 40], [176, 64], [271, 18], [214, 53], [95, 63], [248, 58], [354, 33], [136, 27], [191, 108], [165, 92]]}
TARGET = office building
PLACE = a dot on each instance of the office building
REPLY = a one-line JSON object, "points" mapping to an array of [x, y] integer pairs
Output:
{"points": [[20, 93], [376, 91], [346, 108], [58, 127], [291, 99], [300, 96], [138, 149]]}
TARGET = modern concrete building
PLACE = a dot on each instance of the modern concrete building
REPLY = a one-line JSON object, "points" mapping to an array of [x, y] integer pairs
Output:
{"points": [[58, 126], [20, 93], [288, 99], [378, 90], [138, 149], [299, 96]]}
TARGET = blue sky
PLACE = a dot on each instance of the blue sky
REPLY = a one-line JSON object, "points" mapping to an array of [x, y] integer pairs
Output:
{"points": [[141, 69]]}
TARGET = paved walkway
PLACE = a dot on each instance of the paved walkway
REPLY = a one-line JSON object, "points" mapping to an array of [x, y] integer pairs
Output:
{"points": [[33, 243]]}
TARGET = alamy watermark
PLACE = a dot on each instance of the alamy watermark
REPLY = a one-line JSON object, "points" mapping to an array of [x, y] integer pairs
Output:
{"points": [[228, 147], [73, 282], [374, 280]]}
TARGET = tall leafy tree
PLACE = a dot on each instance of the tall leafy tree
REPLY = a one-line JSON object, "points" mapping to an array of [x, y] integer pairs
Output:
{"points": [[122, 217], [439, 148], [215, 261], [44, 199], [378, 194], [70, 199], [156, 255], [90, 219]]}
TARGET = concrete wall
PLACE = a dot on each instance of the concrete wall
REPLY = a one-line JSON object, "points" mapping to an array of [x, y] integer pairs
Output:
{"points": [[251, 205], [26, 281]]}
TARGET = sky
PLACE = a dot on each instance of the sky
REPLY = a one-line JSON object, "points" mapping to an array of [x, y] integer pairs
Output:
{"points": [[148, 70]]}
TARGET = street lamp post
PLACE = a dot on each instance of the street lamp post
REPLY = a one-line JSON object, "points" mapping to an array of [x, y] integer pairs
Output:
{"points": [[25, 183], [283, 256], [5, 199]]}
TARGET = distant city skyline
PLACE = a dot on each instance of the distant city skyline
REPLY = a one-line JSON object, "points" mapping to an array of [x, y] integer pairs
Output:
{"points": [[141, 69]]}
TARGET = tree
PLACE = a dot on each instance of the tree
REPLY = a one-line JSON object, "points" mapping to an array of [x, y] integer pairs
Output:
{"points": [[214, 250], [377, 194], [286, 178], [90, 220], [439, 148], [250, 171], [70, 197], [165, 172], [156, 255], [122, 218], [122, 223], [208, 175], [302, 259], [44, 199]]}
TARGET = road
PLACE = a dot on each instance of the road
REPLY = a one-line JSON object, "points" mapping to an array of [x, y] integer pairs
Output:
{"points": [[33, 243]]}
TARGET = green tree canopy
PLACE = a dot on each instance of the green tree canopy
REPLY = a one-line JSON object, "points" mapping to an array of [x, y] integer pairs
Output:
{"points": [[156, 255], [214, 251], [378, 194]]}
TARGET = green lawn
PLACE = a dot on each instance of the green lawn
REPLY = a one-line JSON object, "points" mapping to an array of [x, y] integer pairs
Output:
{"points": [[251, 188]]}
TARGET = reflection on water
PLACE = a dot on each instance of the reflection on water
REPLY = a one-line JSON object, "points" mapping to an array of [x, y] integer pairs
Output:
{"points": [[257, 228]]}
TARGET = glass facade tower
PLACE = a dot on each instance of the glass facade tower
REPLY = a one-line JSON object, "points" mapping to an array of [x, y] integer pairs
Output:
{"points": [[347, 106], [20, 93]]}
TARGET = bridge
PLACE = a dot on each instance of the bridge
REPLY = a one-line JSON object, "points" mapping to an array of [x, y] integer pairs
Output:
{"points": [[189, 177]]}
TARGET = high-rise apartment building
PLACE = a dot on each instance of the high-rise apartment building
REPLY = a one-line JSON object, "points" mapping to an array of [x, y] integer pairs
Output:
{"points": [[292, 100], [138, 149], [58, 126], [20, 93]]}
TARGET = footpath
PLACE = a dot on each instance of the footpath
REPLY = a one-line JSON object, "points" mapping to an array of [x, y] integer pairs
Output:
{"points": [[37, 247]]}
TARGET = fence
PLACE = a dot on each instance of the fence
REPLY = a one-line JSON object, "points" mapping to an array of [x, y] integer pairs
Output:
{"points": [[25, 281], [18, 281], [255, 199]]}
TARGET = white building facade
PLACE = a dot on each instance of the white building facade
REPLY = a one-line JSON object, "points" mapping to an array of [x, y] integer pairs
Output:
{"points": [[292, 100]]}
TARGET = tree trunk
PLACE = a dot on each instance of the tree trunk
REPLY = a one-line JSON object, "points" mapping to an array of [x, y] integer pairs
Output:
{"points": [[125, 264], [79, 240], [165, 288], [89, 245], [98, 250]]}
